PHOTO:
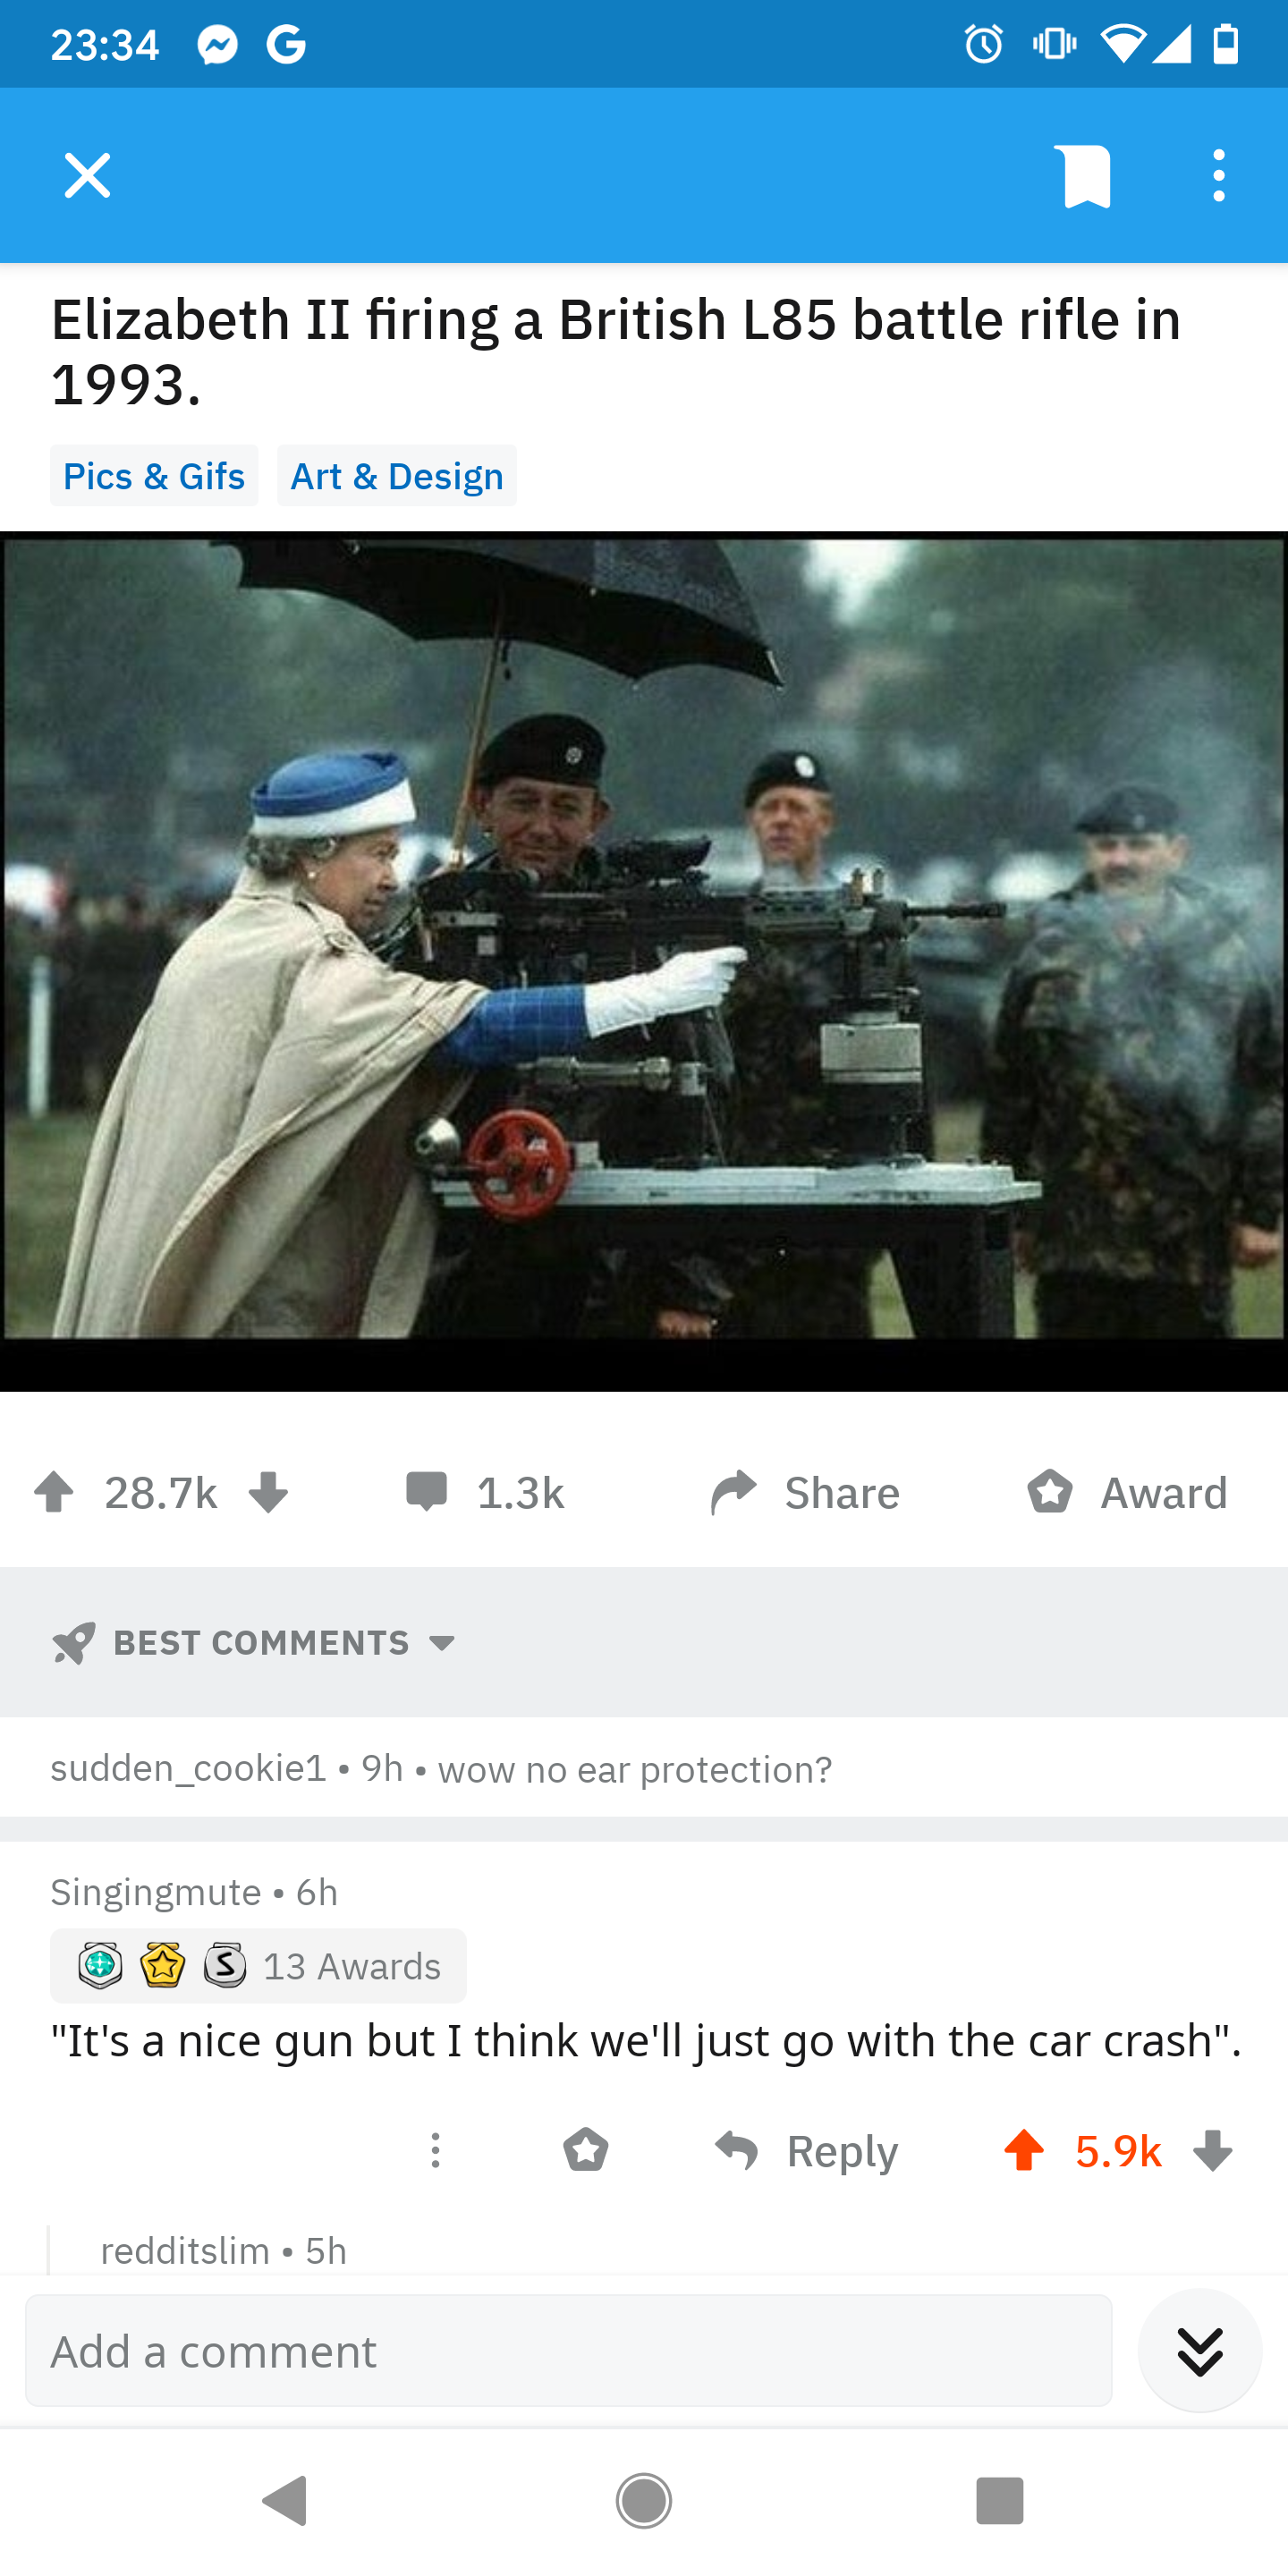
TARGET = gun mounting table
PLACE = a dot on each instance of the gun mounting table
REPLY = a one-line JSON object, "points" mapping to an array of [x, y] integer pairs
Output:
{"points": [[946, 1226]]}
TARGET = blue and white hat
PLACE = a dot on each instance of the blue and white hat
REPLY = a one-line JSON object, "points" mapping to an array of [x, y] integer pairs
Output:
{"points": [[330, 792]]}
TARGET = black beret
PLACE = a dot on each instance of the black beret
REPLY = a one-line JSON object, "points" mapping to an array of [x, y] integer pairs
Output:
{"points": [[561, 749], [1131, 809], [787, 769]]}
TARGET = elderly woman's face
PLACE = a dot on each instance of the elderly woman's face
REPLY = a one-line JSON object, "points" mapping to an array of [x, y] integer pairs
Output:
{"points": [[358, 882]]}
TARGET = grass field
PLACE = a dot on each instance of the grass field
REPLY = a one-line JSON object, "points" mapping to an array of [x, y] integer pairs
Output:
{"points": [[43, 1166]]}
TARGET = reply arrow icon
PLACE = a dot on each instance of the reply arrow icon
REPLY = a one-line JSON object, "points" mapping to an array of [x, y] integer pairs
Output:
{"points": [[1024, 2148]]}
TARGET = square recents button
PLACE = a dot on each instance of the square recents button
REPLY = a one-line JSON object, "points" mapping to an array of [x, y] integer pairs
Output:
{"points": [[999, 2499]]}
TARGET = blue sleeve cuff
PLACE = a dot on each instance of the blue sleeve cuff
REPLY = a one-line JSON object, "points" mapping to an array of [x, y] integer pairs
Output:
{"points": [[510, 1027]]}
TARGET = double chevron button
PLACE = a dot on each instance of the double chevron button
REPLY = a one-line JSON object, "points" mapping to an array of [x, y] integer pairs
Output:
{"points": [[1200, 2350]]}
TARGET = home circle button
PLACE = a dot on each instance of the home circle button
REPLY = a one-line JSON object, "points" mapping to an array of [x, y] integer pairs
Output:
{"points": [[643, 2501]]}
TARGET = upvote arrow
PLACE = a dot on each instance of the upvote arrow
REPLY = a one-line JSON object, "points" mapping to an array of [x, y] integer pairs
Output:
{"points": [[268, 1493], [1024, 2148], [1212, 2153], [53, 1489]]}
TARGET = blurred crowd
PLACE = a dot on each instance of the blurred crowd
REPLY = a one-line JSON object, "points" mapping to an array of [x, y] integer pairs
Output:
{"points": [[107, 953]]}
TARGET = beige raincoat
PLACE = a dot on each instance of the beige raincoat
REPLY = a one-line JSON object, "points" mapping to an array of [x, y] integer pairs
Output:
{"points": [[250, 1174]]}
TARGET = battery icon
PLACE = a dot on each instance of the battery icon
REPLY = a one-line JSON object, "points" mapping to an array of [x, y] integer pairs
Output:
{"points": [[1055, 43], [1225, 43]]}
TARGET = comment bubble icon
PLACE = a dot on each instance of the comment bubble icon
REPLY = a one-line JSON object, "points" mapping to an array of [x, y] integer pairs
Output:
{"points": [[427, 1488]]}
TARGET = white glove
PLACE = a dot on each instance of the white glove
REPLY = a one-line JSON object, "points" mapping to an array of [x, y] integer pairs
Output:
{"points": [[698, 980]]}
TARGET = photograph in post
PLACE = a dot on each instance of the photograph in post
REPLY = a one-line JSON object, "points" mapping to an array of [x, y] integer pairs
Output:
{"points": [[644, 938]]}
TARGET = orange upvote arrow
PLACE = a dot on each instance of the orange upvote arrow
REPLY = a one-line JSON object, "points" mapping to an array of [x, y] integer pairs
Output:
{"points": [[1024, 2149]]}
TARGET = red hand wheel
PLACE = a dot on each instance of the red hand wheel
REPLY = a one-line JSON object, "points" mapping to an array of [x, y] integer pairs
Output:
{"points": [[518, 1165]]}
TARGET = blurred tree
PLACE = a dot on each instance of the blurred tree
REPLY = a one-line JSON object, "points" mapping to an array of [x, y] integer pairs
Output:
{"points": [[1025, 672], [138, 666]]}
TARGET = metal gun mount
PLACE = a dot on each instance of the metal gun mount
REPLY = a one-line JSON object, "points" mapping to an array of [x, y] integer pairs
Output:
{"points": [[640, 902], [947, 1225]]}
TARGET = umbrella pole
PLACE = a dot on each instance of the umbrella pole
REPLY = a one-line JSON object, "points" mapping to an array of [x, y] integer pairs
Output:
{"points": [[478, 729]]}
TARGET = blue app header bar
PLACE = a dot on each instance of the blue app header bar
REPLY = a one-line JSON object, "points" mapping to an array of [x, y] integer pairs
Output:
{"points": [[675, 175], [285, 45]]}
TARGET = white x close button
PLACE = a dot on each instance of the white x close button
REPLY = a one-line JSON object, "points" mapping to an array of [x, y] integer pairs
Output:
{"points": [[91, 174]]}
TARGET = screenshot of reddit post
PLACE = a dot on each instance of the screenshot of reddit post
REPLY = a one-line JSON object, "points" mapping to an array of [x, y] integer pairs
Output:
{"points": [[644, 681]]}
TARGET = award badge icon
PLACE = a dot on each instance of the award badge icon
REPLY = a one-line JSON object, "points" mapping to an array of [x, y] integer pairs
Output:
{"points": [[162, 1963], [225, 1964], [100, 1964]]}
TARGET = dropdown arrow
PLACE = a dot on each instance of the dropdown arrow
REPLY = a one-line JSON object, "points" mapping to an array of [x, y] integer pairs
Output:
{"points": [[443, 1643]]}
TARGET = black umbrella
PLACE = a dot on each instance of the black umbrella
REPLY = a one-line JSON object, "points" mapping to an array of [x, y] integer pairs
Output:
{"points": [[633, 604]]}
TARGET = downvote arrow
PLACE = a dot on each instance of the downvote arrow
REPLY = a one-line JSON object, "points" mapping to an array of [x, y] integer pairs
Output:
{"points": [[267, 1493], [1024, 2148], [1212, 2153]]}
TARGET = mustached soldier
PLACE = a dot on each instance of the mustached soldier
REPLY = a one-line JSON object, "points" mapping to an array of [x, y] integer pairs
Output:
{"points": [[774, 1023], [1136, 1073]]}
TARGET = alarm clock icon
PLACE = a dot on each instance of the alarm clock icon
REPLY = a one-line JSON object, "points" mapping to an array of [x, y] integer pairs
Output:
{"points": [[983, 44]]}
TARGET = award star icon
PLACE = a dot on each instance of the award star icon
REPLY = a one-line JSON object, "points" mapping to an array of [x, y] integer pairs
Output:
{"points": [[586, 2150], [1050, 1491]]}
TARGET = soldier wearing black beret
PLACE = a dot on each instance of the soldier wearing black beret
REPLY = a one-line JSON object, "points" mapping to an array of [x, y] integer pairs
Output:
{"points": [[788, 802], [1136, 1073], [538, 798], [774, 1022]]}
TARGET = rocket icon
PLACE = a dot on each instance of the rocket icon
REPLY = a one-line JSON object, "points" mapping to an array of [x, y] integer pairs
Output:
{"points": [[73, 1645]]}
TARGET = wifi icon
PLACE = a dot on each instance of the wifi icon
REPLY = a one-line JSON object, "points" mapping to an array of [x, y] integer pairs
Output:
{"points": [[1123, 40]]}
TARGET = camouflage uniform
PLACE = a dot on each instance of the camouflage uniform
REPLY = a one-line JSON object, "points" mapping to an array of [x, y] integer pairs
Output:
{"points": [[1136, 1072], [774, 1015]]}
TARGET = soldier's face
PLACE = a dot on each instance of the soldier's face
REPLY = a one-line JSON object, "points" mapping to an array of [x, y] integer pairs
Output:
{"points": [[1133, 862], [540, 824], [791, 825]]}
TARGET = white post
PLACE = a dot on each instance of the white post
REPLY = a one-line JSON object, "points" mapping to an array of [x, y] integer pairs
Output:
{"points": [[40, 1020]]}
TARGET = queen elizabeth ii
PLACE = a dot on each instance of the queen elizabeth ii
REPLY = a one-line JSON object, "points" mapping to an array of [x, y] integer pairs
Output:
{"points": [[249, 1177]]}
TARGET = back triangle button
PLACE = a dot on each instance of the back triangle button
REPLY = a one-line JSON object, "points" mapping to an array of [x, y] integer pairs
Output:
{"points": [[288, 2500]]}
